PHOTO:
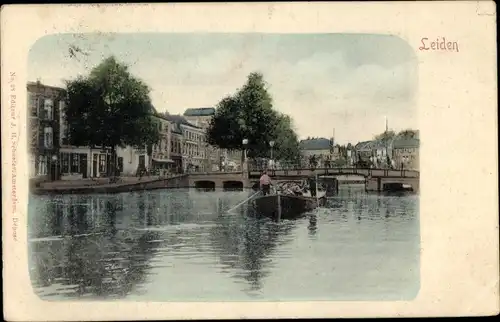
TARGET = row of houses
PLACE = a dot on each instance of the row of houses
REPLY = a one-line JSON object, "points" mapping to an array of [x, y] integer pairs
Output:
{"points": [[396, 153], [182, 146]]}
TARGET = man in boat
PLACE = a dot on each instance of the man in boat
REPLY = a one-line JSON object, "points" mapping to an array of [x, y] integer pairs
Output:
{"points": [[312, 185], [265, 183]]}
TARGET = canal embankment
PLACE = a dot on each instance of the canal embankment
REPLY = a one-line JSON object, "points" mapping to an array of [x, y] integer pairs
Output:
{"points": [[102, 185]]}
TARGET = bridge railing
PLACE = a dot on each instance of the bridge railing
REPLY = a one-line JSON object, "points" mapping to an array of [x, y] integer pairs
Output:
{"points": [[366, 172], [207, 173]]}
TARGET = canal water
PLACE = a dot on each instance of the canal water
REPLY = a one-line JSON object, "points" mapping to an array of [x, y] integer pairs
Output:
{"points": [[185, 245]]}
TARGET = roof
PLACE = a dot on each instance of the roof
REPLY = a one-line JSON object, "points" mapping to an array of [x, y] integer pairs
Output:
{"points": [[406, 143], [315, 144], [176, 128], [364, 145], [202, 111], [181, 120], [39, 84]]}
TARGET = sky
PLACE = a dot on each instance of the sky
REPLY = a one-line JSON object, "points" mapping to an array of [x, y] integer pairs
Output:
{"points": [[331, 84]]}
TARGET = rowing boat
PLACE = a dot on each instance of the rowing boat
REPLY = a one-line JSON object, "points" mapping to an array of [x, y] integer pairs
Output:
{"points": [[286, 206]]}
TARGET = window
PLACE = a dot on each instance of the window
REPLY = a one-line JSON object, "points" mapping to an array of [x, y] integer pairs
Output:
{"points": [[32, 165], [64, 162], [120, 164], [42, 165], [48, 105], [48, 137], [75, 163], [33, 104], [63, 126]]}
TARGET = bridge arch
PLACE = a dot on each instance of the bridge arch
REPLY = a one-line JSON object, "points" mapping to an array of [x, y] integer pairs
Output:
{"points": [[205, 185], [232, 185]]}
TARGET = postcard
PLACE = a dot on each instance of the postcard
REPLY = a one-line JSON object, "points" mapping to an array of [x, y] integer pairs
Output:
{"points": [[237, 160]]}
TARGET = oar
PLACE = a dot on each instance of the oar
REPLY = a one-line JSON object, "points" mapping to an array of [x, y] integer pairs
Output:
{"points": [[317, 197]]}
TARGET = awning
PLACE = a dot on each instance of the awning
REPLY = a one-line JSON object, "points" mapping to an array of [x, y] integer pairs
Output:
{"points": [[163, 160]]}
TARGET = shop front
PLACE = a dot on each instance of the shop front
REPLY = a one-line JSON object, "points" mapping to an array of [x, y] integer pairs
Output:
{"points": [[163, 165], [177, 166], [101, 164], [74, 165]]}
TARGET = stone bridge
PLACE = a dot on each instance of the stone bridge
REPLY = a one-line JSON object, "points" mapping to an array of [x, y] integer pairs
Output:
{"points": [[374, 178], [218, 180]]}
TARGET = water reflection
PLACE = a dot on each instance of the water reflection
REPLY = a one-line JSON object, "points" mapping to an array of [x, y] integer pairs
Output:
{"points": [[313, 225], [245, 244], [95, 246], [82, 253], [117, 246]]}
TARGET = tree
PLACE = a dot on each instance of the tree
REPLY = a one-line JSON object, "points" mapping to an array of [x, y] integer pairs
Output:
{"points": [[386, 136], [110, 108], [313, 161], [287, 142], [249, 114], [408, 133], [340, 162]]}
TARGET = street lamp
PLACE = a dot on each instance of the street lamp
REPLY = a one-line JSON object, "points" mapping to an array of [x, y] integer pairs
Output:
{"points": [[271, 144], [245, 144], [54, 161]]}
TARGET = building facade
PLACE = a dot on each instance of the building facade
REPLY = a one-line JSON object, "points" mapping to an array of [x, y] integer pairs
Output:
{"points": [[363, 152], [406, 153], [176, 142], [80, 162], [160, 157], [131, 159], [44, 106], [201, 117], [195, 148], [382, 153], [319, 148], [189, 150]]}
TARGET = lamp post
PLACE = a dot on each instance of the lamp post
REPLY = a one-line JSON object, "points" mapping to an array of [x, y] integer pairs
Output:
{"points": [[244, 157], [271, 144], [54, 168], [403, 163]]}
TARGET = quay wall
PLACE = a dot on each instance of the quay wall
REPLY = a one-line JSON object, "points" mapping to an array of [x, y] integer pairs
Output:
{"points": [[176, 182], [196, 180], [377, 184]]}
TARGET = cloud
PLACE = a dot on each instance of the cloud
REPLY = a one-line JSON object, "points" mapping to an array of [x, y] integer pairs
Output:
{"points": [[321, 91]]}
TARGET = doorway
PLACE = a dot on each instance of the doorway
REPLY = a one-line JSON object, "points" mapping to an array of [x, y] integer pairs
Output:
{"points": [[142, 162], [94, 165], [83, 165]]}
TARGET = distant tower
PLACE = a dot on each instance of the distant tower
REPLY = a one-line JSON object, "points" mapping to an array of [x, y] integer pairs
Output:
{"points": [[386, 124], [332, 142]]}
